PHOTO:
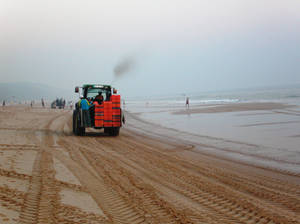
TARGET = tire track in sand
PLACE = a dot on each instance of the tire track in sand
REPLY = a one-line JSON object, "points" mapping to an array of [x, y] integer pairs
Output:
{"points": [[147, 194], [134, 190], [30, 209], [117, 210], [191, 186], [42, 197], [137, 180]]}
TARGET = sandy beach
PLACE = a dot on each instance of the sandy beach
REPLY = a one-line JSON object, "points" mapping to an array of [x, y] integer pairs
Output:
{"points": [[149, 112], [153, 172]]}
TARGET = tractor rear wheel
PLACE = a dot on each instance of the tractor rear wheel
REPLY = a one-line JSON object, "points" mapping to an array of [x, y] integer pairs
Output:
{"points": [[107, 130], [76, 124], [82, 131], [114, 131]]}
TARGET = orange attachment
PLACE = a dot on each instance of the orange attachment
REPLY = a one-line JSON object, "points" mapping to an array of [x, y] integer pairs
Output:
{"points": [[107, 113], [99, 115], [116, 110]]}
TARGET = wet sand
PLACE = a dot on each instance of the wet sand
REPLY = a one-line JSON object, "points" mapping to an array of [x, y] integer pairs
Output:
{"points": [[148, 174], [272, 127], [235, 107]]}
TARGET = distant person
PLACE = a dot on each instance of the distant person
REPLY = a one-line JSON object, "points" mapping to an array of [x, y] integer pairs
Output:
{"points": [[43, 103], [187, 102], [85, 105], [31, 103], [99, 98], [64, 104], [3, 103]]}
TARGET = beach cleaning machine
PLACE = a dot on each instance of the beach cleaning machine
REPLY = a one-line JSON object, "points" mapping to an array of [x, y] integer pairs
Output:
{"points": [[99, 107]]}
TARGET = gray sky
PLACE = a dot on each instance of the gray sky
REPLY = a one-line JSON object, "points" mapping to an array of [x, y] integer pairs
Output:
{"points": [[175, 46]]}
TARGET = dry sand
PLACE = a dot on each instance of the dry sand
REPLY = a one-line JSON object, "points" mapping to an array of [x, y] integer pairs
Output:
{"points": [[50, 176]]}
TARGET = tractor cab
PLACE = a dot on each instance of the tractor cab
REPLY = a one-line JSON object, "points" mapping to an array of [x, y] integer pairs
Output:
{"points": [[90, 92]]}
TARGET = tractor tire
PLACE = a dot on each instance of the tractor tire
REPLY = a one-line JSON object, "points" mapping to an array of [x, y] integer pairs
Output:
{"points": [[76, 124], [74, 121], [82, 131], [107, 130], [114, 131]]}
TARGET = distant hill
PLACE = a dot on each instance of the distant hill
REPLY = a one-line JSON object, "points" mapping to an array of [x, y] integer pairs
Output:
{"points": [[21, 91]]}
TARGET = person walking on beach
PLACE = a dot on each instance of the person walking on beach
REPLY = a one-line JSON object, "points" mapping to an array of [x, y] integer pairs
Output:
{"points": [[3, 104], [43, 103], [187, 102]]}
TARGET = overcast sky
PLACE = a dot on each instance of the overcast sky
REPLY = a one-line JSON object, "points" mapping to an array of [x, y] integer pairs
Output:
{"points": [[174, 46]]}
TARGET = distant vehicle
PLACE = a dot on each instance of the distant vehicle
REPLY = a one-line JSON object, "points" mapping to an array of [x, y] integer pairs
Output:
{"points": [[104, 111]]}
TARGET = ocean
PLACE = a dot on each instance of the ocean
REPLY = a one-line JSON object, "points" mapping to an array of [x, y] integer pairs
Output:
{"points": [[288, 94]]}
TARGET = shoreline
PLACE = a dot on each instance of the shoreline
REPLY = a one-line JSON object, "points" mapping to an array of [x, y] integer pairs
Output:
{"points": [[273, 127], [236, 107]]}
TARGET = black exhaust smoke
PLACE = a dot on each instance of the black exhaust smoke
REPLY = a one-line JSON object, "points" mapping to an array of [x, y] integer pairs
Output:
{"points": [[124, 66]]}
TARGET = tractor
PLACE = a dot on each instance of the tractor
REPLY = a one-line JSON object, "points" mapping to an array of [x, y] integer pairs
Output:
{"points": [[104, 110]]}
